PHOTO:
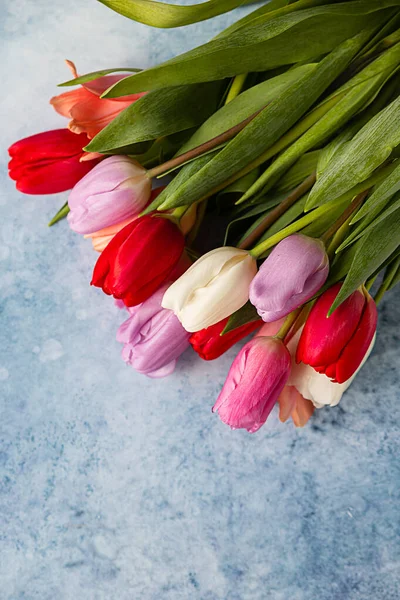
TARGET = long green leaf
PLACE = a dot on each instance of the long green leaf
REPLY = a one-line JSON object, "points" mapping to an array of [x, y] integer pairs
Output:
{"points": [[382, 193], [188, 171], [158, 114], [393, 206], [245, 105], [262, 44], [163, 15], [375, 248], [355, 98], [265, 129], [360, 157], [256, 211], [306, 165]]}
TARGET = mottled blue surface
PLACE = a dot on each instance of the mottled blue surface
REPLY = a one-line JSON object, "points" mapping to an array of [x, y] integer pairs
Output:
{"points": [[113, 486]]}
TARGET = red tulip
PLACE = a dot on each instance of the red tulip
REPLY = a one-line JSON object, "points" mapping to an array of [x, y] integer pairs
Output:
{"points": [[336, 345], [210, 344], [49, 162], [139, 259]]}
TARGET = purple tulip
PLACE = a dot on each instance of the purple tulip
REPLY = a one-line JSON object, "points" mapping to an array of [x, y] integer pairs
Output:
{"points": [[153, 337], [294, 271], [116, 189]]}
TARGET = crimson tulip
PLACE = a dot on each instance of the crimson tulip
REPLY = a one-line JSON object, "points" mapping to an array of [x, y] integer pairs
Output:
{"points": [[337, 345], [49, 162], [210, 344], [139, 259]]}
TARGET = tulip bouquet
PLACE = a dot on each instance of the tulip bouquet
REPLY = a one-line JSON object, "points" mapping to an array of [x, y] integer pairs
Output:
{"points": [[276, 145]]}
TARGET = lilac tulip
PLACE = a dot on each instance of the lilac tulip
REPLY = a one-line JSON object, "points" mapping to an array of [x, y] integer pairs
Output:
{"points": [[117, 189], [293, 272], [254, 383], [153, 337]]}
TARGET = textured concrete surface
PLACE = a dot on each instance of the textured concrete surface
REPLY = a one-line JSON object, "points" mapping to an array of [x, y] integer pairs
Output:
{"points": [[114, 486]]}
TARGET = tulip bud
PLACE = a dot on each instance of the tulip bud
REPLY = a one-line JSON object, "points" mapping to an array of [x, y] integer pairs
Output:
{"points": [[337, 345], [254, 383], [153, 337], [117, 189], [49, 162], [139, 259], [213, 288], [294, 271], [210, 344]]}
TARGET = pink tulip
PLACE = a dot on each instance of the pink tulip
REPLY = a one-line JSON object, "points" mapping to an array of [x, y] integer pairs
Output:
{"points": [[153, 337], [88, 112], [254, 383], [294, 271], [102, 237], [116, 190]]}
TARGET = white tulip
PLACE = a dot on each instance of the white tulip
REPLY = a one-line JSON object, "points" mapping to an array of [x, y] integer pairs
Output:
{"points": [[213, 288], [317, 387]]}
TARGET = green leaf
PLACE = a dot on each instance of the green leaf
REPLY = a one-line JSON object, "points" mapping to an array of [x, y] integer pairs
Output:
{"points": [[61, 214], [187, 171], [395, 274], [394, 205], [357, 159], [246, 314], [288, 217], [375, 203], [375, 248], [306, 165], [158, 114], [267, 127], [163, 15], [244, 105], [262, 44], [384, 97], [355, 97], [95, 75], [381, 194], [261, 209]]}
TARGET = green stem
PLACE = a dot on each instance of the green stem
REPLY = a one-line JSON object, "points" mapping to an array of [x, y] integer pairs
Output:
{"points": [[278, 211], [236, 87], [216, 141], [340, 227], [61, 214], [308, 218], [289, 321]]}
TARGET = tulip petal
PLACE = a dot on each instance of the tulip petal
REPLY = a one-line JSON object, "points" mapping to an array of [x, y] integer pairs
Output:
{"points": [[293, 272]]}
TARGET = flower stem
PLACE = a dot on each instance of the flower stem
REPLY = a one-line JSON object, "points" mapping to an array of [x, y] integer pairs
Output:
{"points": [[216, 141], [343, 220], [289, 322], [308, 218], [278, 211], [236, 87]]}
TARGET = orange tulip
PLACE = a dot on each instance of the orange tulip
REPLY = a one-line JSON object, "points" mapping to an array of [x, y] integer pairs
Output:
{"points": [[88, 112]]}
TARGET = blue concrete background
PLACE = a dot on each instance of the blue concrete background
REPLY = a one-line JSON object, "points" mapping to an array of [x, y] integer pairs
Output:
{"points": [[114, 486]]}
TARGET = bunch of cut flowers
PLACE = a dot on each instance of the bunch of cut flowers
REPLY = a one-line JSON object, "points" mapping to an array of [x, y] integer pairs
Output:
{"points": [[250, 186]]}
